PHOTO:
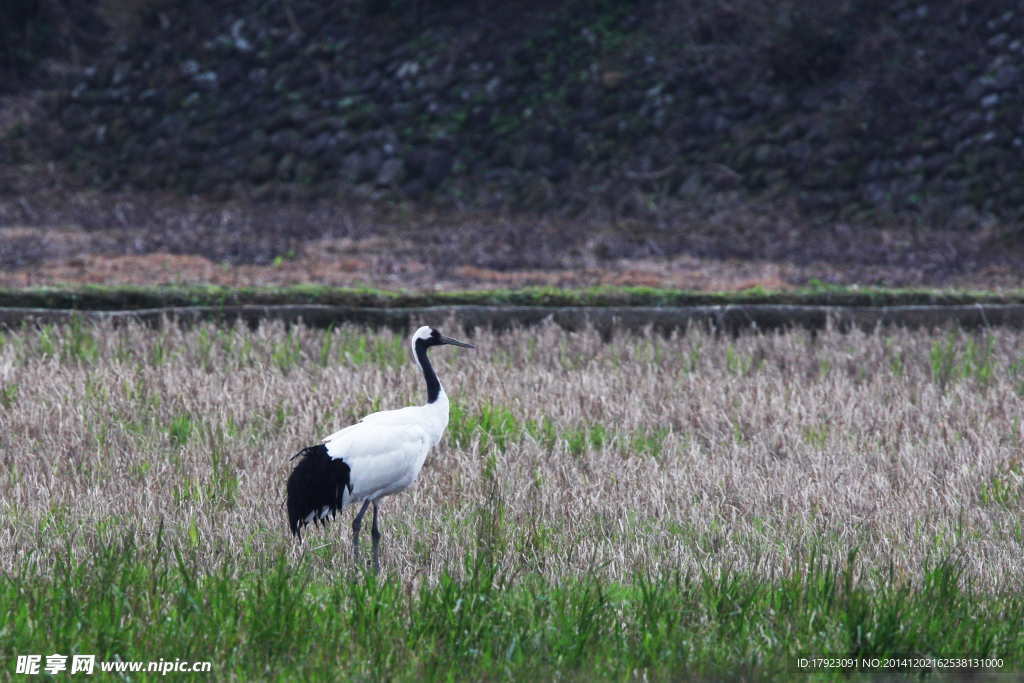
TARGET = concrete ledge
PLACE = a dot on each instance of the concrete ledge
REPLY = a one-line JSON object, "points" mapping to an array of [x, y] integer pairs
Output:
{"points": [[663, 319]]}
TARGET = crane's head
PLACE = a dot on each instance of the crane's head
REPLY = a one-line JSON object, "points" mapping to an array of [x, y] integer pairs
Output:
{"points": [[427, 336]]}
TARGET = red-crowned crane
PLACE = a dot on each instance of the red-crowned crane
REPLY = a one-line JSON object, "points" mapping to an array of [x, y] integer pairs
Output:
{"points": [[380, 455]]}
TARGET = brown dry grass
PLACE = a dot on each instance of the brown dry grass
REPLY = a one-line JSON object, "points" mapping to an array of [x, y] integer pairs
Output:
{"points": [[51, 234], [698, 452], [392, 265]]}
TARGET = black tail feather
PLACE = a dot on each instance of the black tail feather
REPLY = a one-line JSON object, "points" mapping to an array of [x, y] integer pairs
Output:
{"points": [[317, 481]]}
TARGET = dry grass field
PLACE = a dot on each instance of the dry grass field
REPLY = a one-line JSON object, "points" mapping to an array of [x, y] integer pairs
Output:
{"points": [[568, 461]]}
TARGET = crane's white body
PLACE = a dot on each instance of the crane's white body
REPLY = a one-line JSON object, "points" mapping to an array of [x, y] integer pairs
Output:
{"points": [[385, 451]]}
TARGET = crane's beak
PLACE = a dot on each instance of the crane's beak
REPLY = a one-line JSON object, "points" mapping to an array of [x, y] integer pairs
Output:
{"points": [[456, 342]]}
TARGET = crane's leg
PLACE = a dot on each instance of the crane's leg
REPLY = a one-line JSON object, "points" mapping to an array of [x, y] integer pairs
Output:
{"points": [[357, 523], [375, 533]]}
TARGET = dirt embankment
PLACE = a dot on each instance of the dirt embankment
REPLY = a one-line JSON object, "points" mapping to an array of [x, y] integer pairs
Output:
{"points": [[881, 137]]}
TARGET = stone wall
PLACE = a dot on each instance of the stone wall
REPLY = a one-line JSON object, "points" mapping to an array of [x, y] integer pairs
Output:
{"points": [[858, 111]]}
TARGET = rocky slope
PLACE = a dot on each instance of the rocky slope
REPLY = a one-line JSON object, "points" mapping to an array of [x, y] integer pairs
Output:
{"points": [[902, 112]]}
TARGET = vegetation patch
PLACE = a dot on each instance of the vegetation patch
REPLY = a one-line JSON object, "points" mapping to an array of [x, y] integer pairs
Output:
{"points": [[291, 621]]}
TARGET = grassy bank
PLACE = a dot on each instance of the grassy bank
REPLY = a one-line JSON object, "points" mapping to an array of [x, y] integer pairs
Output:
{"points": [[103, 297], [290, 622]]}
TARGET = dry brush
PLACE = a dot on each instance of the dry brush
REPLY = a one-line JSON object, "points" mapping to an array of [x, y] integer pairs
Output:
{"points": [[566, 454]]}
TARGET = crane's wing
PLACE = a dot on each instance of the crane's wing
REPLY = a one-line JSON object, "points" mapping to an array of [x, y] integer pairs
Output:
{"points": [[383, 458]]}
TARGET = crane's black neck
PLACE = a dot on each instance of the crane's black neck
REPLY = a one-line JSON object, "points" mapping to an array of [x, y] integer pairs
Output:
{"points": [[433, 384]]}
